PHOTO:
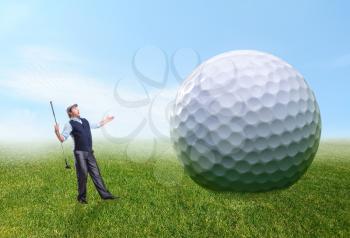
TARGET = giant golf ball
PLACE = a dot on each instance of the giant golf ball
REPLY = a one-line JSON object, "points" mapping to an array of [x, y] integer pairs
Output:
{"points": [[245, 121]]}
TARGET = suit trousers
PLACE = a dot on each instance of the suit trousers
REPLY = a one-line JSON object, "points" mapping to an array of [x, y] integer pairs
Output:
{"points": [[85, 162]]}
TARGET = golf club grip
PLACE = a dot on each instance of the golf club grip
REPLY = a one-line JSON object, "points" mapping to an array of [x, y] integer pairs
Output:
{"points": [[53, 112]]}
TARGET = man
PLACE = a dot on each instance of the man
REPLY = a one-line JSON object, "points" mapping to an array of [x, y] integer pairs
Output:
{"points": [[85, 161]]}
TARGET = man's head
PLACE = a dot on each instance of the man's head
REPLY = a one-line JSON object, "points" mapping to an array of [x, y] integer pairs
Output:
{"points": [[73, 111]]}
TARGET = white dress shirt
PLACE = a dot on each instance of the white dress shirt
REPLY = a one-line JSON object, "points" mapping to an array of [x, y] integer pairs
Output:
{"points": [[68, 127]]}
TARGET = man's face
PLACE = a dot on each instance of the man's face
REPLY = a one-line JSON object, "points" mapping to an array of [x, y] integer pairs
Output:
{"points": [[74, 112]]}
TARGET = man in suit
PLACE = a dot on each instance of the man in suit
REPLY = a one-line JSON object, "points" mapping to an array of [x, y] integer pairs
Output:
{"points": [[85, 162]]}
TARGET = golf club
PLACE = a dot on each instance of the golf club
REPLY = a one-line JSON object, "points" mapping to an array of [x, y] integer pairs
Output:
{"points": [[64, 155]]}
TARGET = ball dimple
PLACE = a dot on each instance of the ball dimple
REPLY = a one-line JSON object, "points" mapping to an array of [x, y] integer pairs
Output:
{"points": [[292, 108], [271, 87], [214, 138], [212, 123], [260, 143], [253, 104], [200, 115], [283, 96], [233, 175], [279, 111], [258, 168], [196, 167], [227, 100], [274, 141], [252, 158], [205, 162], [219, 170], [245, 81], [190, 122], [263, 129], [294, 95], [265, 114], [250, 131], [228, 162], [245, 121], [214, 107], [257, 91], [242, 166], [224, 132], [252, 118], [249, 145], [293, 149], [224, 147], [268, 100], [235, 139], [201, 132], [271, 166], [195, 153]]}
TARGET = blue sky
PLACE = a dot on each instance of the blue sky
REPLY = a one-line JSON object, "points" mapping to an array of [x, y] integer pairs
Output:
{"points": [[49, 49]]}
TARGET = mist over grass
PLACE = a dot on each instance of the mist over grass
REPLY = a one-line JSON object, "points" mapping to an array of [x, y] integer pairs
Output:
{"points": [[42, 149], [137, 150]]}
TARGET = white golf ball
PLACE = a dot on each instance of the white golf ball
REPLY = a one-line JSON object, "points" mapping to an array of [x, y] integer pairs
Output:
{"points": [[245, 121]]}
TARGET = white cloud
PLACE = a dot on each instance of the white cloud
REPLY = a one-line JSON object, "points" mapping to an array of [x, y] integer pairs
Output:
{"points": [[42, 79], [40, 84], [46, 55]]}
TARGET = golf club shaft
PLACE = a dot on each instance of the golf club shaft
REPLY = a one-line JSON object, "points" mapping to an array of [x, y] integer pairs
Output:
{"points": [[64, 155], [53, 112]]}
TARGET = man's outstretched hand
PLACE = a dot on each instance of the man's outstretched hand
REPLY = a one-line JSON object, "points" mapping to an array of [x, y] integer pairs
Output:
{"points": [[106, 120]]}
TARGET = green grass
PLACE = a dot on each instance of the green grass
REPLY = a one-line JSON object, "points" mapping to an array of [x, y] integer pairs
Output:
{"points": [[37, 198]]}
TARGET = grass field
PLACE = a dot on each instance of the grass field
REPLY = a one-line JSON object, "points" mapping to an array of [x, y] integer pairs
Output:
{"points": [[37, 198]]}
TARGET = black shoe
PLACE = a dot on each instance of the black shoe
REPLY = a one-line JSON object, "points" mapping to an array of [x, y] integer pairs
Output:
{"points": [[110, 197], [82, 201]]}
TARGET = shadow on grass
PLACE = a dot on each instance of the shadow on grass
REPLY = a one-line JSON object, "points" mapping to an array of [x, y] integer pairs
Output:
{"points": [[84, 216]]}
